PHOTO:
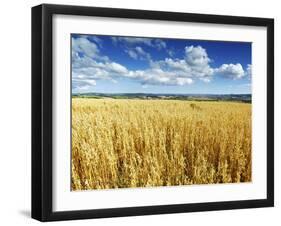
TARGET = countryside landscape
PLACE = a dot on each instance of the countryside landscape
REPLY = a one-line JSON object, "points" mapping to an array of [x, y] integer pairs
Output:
{"points": [[159, 122]]}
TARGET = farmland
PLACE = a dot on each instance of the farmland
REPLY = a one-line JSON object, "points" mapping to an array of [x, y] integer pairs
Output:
{"points": [[122, 143]]}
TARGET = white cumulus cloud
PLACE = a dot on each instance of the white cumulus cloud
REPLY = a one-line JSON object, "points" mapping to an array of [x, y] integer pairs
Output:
{"points": [[157, 76], [232, 71], [132, 53], [156, 43], [249, 71], [195, 64], [138, 53], [89, 65], [84, 46]]}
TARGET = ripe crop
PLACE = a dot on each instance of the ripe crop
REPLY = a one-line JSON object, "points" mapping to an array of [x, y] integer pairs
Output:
{"points": [[144, 143]]}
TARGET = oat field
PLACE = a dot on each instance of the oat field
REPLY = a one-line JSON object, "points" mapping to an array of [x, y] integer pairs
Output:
{"points": [[144, 143]]}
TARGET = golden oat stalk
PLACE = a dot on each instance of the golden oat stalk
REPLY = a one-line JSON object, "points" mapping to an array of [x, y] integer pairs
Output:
{"points": [[137, 143]]}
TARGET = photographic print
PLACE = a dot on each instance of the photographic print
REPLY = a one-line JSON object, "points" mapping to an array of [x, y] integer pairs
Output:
{"points": [[139, 112], [152, 112]]}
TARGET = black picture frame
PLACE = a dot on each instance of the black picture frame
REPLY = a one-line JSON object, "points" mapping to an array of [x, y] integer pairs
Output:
{"points": [[42, 111]]}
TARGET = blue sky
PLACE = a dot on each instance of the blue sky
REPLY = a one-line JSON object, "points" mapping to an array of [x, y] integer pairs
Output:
{"points": [[116, 64]]}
